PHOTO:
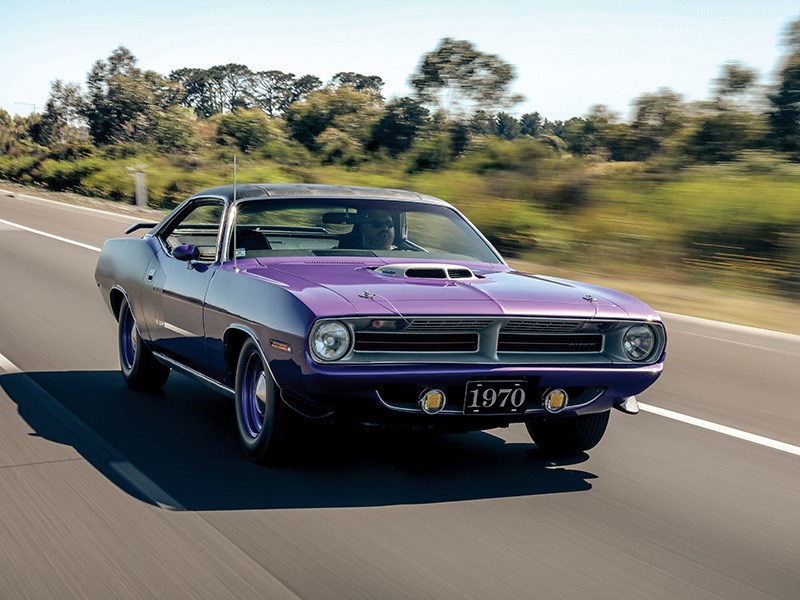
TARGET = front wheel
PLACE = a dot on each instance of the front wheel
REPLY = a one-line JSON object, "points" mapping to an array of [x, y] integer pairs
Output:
{"points": [[261, 416], [568, 435], [139, 367]]}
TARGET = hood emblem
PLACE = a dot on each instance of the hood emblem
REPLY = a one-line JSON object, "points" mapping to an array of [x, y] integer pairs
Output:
{"points": [[590, 298]]}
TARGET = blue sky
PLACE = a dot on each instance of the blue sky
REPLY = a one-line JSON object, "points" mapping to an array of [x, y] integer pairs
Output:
{"points": [[569, 54]]}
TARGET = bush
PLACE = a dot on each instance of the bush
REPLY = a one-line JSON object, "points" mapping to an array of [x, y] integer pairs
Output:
{"points": [[429, 154], [512, 227], [174, 130], [503, 155], [246, 129], [18, 168], [60, 175]]}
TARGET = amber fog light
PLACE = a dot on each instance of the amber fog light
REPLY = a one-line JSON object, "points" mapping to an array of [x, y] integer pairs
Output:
{"points": [[555, 399], [432, 401]]}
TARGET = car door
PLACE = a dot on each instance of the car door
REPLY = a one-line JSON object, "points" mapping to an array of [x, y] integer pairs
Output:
{"points": [[175, 289]]}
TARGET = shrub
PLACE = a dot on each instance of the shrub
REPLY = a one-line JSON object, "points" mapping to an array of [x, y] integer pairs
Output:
{"points": [[429, 154], [18, 168], [60, 175]]}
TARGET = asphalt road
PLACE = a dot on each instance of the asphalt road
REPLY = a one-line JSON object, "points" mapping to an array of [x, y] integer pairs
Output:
{"points": [[107, 493]]}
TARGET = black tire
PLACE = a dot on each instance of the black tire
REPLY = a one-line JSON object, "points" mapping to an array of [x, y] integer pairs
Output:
{"points": [[140, 369], [568, 435], [264, 422]]}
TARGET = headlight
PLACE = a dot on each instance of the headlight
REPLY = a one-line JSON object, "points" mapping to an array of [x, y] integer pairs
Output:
{"points": [[638, 342], [330, 340]]}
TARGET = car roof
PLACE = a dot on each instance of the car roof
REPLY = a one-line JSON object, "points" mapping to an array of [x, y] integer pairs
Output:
{"points": [[249, 191]]}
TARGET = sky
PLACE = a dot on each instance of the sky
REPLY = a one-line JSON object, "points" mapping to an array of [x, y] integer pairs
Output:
{"points": [[568, 54]]}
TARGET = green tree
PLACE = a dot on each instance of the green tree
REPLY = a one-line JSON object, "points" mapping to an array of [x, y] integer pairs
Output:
{"points": [[197, 91], [175, 130], [357, 81], [459, 79], [247, 129], [481, 123], [273, 91], [123, 102], [784, 117], [721, 134], [506, 126], [62, 120], [398, 126], [734, 81], [657, 116], [530, 124], [351, 112]]}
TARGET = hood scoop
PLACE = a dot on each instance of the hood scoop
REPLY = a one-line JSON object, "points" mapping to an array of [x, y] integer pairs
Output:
{"points": [[426, 271]]}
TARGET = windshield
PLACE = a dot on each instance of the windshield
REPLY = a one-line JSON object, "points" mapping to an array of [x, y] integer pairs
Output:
{"points": [[356, 227]]}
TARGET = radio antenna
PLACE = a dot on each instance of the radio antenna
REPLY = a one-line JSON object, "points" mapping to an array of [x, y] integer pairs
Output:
{"points": [[235, 214]]}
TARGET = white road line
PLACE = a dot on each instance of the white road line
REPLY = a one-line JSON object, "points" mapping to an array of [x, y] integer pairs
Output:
{"points": [[132, 475], [7, 366], [730, 431], [719, 339], [50, 235], [27, 197], [146, 485], [731, 326]]}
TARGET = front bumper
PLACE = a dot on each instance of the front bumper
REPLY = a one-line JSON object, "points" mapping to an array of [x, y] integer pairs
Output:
{"points": [[389, 394]]}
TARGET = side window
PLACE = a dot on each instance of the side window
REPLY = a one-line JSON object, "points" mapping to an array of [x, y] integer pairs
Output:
{"points": [[198, 226]]}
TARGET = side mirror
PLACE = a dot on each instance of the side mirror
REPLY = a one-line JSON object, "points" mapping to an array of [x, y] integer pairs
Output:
{"points": [[186, 252]]}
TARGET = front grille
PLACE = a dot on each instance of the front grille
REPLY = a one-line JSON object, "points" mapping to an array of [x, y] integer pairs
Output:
{"points": [[448, 324], [415, 342], [527, 342], [535, 325]]}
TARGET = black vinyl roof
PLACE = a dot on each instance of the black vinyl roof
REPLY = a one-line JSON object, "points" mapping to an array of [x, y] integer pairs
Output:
{"points": [[246, 191]]}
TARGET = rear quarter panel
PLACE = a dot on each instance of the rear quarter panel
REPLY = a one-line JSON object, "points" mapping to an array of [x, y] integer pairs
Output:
{"points": [[122, 264]]}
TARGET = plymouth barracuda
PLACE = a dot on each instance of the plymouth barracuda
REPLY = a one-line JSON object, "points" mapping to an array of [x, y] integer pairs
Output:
{"points": [[377, 306]]}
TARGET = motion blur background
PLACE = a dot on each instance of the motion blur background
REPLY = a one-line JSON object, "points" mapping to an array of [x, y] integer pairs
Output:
{"points": [[684, 197]]}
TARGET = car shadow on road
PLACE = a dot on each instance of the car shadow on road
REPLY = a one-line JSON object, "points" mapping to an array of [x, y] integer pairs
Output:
{"points": [[184, 440]]}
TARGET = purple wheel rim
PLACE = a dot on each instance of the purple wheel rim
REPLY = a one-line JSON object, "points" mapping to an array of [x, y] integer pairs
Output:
{"points": [[252, 399]]}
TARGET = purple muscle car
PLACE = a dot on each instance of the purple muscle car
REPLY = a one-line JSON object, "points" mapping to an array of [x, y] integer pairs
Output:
{"points": [[371, 305]]}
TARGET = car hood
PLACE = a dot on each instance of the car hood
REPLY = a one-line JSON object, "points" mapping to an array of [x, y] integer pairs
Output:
{"points": [[351, 287]]}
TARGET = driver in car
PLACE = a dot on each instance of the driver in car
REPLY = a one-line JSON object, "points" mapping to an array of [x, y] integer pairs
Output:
{"points": [[377, 230]]}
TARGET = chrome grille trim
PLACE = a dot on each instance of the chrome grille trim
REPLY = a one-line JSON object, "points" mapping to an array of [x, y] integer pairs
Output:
{"points": [[448, 324], [542, 326]]}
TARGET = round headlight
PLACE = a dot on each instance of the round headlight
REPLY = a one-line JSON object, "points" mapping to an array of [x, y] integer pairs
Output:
{"points": [[638, 342], [330, 341]]}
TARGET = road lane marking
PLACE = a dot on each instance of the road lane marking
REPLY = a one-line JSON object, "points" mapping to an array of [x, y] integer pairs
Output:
{"points": [[719, 339], [146, 486], [723, 429], [50, 235], [27, 197], [731, 326], [7, 365]]}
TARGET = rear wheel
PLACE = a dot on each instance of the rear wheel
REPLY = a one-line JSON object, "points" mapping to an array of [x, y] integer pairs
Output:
{"points": [[140, 369], [263, 420], [568, 435]]}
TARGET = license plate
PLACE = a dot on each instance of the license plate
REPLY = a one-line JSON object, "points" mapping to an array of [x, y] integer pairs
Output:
{"points": [[496, 396]]}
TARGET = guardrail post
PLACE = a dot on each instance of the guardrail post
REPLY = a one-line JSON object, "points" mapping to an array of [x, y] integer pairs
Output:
{"points": [[141, 189]]}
